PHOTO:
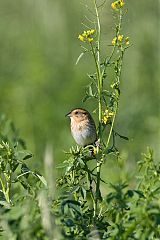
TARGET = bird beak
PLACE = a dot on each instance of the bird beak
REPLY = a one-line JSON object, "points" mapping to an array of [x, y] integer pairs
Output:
{"points": [[68, 114]]}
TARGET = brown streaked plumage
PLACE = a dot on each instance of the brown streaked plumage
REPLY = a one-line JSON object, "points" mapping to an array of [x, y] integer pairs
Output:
{"points": [[83, 127]]}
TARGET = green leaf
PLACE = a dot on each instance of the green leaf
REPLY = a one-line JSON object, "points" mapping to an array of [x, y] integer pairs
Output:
{"points": [[69, 222], [130, 193], [83, 192], [86, 98], [42, 179], [24, 155], [5, 204], [14, 166], [29, 155], [79, 58], [90, 90], [121, 136], [62, 165], [140, 193], [24, 169]]}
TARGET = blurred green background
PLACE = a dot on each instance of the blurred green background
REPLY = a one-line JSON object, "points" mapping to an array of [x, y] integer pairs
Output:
{"points": [[40, 83]]}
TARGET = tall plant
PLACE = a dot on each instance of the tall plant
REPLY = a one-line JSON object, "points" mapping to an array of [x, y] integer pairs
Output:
{"points": [[81, 200]]}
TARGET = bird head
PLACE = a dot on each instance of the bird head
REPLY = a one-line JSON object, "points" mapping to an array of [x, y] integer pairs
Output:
{"points": [[78, 115]]}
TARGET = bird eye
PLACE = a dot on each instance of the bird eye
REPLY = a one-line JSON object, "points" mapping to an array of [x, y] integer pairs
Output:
{"points": [[76, 112]]}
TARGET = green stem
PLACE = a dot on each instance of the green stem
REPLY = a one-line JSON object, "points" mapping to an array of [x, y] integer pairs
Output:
{"points": [[118, 75], [98, 70], [113, 120], [98, 194], [6, 189], [98, 31], [107, 61], [99, 74], [100, 88], [90, 188], [111, 129], [2, 185]]}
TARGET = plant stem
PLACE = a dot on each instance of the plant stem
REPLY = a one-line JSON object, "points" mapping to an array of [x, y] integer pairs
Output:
{"points": [[98, 194], [6, 187], [111, 129], [2, 185], [90, 188], [99, 81], [99, 74], [100, 88], [98, 31], [118, 29]]}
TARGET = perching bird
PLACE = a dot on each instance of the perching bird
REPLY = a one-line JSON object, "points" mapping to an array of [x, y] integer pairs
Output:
{"points": [[83, 127]]}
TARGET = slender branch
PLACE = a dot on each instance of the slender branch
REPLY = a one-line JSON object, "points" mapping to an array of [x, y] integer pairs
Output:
{"points": [[99, 77], [118, 75], [6, 187], [90, 188], [118, 28], [113, 120], [111, 129], [107, 61], [96, 62], [99, 74], [99, 80], [101, 5], [2, 185], [100, 87], [98, 30]]}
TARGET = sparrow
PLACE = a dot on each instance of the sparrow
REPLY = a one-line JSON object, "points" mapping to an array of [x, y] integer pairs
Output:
{"points": [[83, 127]]}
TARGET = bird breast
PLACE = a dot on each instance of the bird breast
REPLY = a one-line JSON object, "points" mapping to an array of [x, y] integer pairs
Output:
{"points": [[83, 132]]}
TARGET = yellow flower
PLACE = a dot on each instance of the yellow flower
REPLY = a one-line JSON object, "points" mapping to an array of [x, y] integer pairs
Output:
{"points": [[92, 31], [107, 117], [81, 38], [86, 36], [117, 4], [114, 40], [105, 120], [121, 2], [120, 38], [127, 40], [114, 85], [90, 39], [94, 151], [114, 5]]}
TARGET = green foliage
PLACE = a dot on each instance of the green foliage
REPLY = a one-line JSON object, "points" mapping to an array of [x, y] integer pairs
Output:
{"points": [[19, 188], [135, 212], [77, 202], [125, 212]]}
